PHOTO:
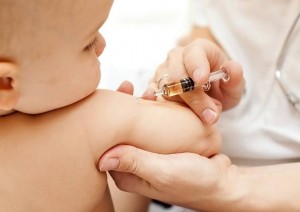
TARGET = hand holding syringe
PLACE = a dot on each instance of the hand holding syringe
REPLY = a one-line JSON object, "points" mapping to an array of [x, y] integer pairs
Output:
{"points": [[187, 84]]}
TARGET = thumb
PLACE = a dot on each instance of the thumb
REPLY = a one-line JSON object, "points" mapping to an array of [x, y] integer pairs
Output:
{"points": [[125, 158], [132, 169], [204, 106]]}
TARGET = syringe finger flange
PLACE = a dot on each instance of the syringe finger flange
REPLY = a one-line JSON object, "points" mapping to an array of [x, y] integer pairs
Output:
{"points": [[226, 72], [206, 86], [221, 74]]}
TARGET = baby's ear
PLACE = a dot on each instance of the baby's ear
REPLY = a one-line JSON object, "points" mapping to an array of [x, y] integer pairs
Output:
{"points": [[9, 94]]}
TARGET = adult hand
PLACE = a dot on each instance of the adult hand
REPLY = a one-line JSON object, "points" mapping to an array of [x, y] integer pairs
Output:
{"points": [[184, 179], [197, 60]]}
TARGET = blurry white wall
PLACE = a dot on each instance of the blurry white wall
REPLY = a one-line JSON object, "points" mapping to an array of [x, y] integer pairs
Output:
{"points": [[139, 33]]}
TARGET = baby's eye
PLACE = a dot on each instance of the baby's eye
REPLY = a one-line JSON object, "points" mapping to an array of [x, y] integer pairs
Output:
{"points": [[92, 45], [96, 46]]}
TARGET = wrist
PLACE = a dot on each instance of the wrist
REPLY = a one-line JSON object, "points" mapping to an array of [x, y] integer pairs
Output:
{"points": [[229, 190], [215, 189], [232, 190], [241, 189]]}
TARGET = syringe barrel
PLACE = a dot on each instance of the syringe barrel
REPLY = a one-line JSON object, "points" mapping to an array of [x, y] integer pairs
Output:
{"points": [[176, 88], [187, 84]]}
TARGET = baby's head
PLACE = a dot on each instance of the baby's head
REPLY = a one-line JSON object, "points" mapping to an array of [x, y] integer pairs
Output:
{"points": [[49, 52]]}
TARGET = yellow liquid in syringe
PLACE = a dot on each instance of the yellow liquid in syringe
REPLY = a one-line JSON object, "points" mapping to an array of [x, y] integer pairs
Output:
{"points": [[173, 89]]}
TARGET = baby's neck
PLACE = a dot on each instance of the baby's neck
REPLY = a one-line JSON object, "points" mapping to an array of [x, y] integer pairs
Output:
{"points": [[6, 112]]}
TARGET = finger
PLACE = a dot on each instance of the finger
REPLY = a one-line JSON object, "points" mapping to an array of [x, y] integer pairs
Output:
{"points": [[234, 88], [204, 106], [200, 58], [126, 87], [130, 183], [221, 159], [141, 166], [124, 158], [196, 63], [230, 92], [175, 66]]}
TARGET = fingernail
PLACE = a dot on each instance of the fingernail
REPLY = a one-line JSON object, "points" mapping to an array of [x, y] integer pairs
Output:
{"points": [[208, 116], [110, 164], [197, 76]]}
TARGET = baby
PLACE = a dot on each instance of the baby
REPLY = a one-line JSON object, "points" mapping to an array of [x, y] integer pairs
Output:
{"points": [[55, 125]]}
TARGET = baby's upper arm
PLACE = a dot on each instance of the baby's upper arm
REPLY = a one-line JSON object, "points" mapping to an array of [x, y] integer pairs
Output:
{"points": [[169, 128], [107, 117], [116, 118]]}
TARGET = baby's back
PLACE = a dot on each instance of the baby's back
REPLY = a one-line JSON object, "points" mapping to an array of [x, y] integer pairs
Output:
{"points": [[47, 165]]}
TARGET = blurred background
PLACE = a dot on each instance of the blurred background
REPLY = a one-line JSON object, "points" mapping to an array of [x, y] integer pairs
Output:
{"points": [[138, 36]]}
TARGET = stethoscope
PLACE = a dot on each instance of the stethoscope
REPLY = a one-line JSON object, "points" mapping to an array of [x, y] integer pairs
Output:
{"points": [[292, 97]]}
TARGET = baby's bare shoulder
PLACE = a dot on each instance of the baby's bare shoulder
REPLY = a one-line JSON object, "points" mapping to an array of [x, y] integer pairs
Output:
{"points": [[47, 163]]}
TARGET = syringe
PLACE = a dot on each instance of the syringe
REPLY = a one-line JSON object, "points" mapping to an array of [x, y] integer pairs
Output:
{"points": [[187, 84]]}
